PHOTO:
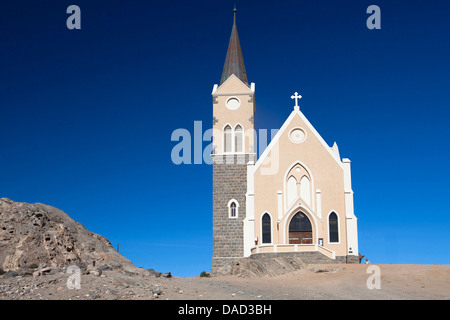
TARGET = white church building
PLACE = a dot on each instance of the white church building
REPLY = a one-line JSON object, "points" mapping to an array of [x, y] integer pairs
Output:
{"points": [[295, 199]]}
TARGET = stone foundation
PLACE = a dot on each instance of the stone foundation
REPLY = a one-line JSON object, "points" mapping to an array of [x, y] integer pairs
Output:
{"points": [[222, 266], [262, 263]]}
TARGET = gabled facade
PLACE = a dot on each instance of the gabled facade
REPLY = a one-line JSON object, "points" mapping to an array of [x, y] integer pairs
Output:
{"points": [[295, 199]]}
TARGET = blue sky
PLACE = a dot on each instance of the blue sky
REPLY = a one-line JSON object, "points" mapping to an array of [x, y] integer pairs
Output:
{"points": [[86, 116]]}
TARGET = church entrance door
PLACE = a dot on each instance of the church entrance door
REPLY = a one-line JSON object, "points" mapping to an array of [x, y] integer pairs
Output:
{"points": [[300, 230]]}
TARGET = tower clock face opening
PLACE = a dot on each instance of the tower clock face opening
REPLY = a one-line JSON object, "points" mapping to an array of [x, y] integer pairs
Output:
{"points": [[233, 103]]}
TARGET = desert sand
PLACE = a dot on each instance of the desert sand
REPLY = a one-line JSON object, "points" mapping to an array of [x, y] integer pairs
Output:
{"points": [[397, 282]]}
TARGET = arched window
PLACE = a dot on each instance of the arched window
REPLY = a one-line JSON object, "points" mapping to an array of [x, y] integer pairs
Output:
{"points": [[305, 190], [266, 228], [291, 190], [238, 139], [233, 210], [233, 207], [333, 227], [300, 229], [227, 139]]}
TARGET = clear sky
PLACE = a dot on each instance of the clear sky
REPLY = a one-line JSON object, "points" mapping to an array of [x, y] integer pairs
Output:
{"points": [[86, 116]]}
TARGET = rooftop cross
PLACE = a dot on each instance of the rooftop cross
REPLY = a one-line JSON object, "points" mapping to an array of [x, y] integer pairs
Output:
{"points": [[297, 97]]}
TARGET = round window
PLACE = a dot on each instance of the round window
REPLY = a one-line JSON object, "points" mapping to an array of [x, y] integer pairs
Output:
{"points": [[233, 103], [297, 135]]}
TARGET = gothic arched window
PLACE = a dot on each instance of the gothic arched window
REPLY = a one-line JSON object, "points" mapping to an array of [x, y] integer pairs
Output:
{"points": [[238, 139], [233, 206], [305, 190], [333, 227], [266, 228], [291, 190], [227, 139], [233, 210]]}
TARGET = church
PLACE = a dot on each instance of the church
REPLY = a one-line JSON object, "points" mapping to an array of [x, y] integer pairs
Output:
{"points": [[295, 199]]}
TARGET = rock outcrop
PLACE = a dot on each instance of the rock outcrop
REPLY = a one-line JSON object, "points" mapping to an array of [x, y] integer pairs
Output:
{"points": [[33, 235], [261, 265]]}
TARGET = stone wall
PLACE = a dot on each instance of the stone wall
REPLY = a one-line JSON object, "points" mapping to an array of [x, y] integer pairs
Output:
{"points": [[311, 257], [275, 263], [229, 182]]}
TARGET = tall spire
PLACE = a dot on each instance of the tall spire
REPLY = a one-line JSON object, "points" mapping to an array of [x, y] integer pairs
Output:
{"points": [[234, 62]]}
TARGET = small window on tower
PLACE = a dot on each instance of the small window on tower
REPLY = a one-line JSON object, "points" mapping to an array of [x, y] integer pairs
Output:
{"points": [[233, 209]]}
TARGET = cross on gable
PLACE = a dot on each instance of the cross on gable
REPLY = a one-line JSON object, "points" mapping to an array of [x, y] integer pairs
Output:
{"points": [[297, 97]]}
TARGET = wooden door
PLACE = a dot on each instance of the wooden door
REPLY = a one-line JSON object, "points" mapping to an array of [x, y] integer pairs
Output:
{"points": [[300, 237], [300, 229]]}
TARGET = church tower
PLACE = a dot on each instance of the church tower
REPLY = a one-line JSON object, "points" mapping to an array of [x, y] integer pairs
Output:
{"points": [[233, 158], [295, 200]]}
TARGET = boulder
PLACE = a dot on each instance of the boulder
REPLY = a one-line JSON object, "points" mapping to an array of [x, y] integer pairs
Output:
{"points": [[95, 272], [154, 273], [10, 274]]}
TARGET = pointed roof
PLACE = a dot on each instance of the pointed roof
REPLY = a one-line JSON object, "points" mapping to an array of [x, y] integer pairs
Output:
{"points": [[284, 127], [234, 62]]}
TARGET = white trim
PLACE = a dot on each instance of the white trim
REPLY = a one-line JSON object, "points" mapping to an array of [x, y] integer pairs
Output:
{"points": [[335, 149], [319, 203], [249, 220], [346, 163], [283, 129], [351, 224], [229, 208], [271, 228], [280, 204], [352, 235], [233, 94], [338, 226], [311, 215], [232, 75]]}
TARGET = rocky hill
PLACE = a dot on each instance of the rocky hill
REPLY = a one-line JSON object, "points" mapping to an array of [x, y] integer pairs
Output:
{"points": [[38, 243], [37, 235]]}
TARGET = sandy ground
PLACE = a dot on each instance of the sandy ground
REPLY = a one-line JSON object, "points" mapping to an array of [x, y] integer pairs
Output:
{"points": [[331, 282], [313, 282]]}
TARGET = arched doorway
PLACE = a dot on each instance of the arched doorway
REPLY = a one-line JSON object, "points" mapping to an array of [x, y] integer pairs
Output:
{"points": [[300, 229]]}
